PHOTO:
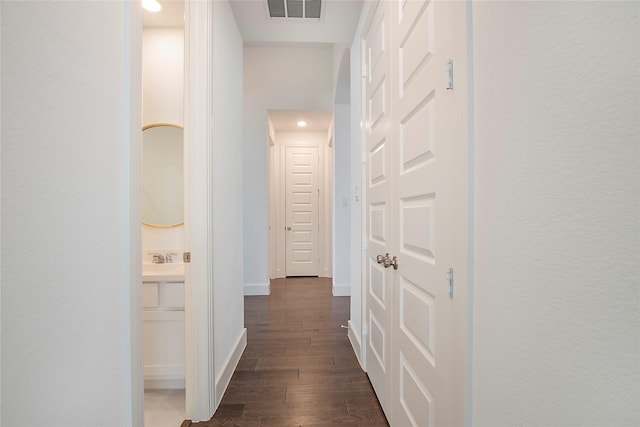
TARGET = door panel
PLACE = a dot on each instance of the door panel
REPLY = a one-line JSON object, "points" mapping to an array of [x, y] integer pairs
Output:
{"points": [[424, 324], [302, 211], [378, 193]]}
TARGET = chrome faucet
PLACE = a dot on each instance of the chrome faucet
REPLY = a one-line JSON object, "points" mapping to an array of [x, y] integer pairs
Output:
{"points": [[168, 257]]}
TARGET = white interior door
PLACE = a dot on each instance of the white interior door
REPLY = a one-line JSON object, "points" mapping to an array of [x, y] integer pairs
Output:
{"points": [[419, 158], [301, 200], [378, 201], [430, 204]]}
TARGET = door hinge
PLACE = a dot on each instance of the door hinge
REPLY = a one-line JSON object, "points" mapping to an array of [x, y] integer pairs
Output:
{"points": [[449, 68], [365, 329], [364, 158], [186, 257], [450, 281], [365, 72]]}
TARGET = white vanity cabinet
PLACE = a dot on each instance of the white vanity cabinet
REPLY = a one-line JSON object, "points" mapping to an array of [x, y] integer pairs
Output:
{"points": [[163, 334]]}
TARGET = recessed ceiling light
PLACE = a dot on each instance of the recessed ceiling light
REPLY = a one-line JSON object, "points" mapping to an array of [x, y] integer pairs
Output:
{"points": [[151, 5], [301, 123]]}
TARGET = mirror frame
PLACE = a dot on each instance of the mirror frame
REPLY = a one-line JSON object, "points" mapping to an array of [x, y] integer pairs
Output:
{"points": [[179, 224]]}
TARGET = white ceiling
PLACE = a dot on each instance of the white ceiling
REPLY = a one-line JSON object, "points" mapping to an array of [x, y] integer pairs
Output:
{"points": [[171, 15], [285, 120], [337, 23]]}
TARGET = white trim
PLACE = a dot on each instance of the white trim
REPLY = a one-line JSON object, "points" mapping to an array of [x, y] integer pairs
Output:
{"points": [[273, 195], [199, 342], [164, 383], [355, 343], [468, 326], [341, 289], [325, 267], [230, 365], [363, 197], [257, 289], [132, 250]]}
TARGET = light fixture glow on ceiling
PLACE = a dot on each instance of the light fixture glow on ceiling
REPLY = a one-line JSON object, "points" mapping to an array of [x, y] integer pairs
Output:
{"points": [[151, 5], [301, 123]]}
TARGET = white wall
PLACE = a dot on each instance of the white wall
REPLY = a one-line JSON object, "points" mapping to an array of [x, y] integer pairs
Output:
{"points": [[342, 201], [163, 102], [292, 78], [556, 326], [227, 191], [340, 84], [355, 70], [163, 76], [67, 116]]}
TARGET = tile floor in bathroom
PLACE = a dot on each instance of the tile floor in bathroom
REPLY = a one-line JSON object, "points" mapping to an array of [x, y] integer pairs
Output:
{"points": [[164, 408]]}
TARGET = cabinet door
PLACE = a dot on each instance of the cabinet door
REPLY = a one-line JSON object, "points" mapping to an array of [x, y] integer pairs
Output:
{"points": [[171, 295], [150, 295], [163, 335]]}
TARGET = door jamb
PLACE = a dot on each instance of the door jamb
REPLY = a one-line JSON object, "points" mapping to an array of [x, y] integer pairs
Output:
{"points": [[133, 153], [199, 342]]}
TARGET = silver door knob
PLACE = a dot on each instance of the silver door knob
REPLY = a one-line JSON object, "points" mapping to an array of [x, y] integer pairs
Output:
{"points": [[393, 263], [387, 262]]}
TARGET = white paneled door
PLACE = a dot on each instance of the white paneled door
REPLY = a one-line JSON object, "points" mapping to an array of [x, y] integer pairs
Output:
{"points": [[416, 209], [378, 196], [302, 215]]}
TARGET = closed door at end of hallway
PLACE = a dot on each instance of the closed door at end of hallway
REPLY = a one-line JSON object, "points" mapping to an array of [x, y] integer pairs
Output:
{"points": [[301, 198]]}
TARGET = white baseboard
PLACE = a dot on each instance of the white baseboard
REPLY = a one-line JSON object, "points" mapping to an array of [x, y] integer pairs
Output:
{"points": [[341, 289], [222, 380], [257, 289], [165, 383], [355, 343]]}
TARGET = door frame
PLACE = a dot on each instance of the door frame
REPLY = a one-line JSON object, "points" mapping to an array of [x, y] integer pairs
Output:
{"points": [[277, 208], [199, 354], [133, 179], [199, 343]]}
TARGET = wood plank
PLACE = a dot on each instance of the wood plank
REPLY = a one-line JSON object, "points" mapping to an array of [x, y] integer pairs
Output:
{"points": [[298, 368]]}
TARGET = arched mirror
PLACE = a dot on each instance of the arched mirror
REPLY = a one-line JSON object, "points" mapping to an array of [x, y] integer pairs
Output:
{"points": [[162, 175]]}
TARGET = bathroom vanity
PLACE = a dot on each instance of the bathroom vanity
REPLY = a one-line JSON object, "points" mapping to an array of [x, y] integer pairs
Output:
{"points": [[163, 325]]}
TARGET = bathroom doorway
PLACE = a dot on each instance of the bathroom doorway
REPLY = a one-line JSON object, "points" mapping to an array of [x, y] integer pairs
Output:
{"points": [[163, 231]]}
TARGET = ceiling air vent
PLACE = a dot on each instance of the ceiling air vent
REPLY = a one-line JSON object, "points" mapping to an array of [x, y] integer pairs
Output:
{"points": [[294, 8]]}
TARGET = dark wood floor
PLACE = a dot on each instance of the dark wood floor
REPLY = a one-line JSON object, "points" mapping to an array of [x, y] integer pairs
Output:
{"points": [[298, 368]]}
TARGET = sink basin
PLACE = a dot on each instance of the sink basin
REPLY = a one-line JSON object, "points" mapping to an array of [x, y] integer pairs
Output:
{"points": [[163, 272]]}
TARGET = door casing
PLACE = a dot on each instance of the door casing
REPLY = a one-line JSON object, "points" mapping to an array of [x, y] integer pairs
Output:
{"points": [[277, 192]]}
